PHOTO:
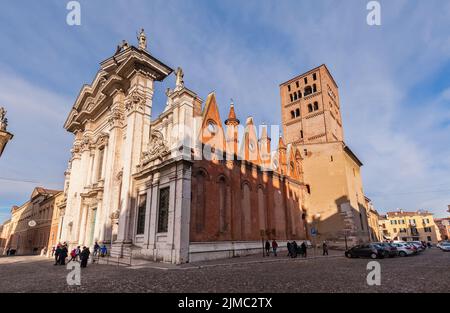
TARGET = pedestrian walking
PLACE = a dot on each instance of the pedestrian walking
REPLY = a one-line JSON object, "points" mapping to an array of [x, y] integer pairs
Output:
{"points": [[57, 253], [274, 247], [103, 251], [294, 249], [73, 255], [96, 248], [77, 253], [304, 249], [63, 255], [84, 256], [267, 247], [325, 248]]}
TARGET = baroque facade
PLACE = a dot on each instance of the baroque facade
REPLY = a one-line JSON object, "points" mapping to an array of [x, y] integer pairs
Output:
{"points": [[182, 186]]}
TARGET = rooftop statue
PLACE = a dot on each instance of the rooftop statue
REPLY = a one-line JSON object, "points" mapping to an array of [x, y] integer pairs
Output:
{"points": [[3, 119]]}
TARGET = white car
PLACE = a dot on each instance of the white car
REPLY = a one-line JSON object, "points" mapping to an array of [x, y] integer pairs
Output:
{"points": [[403, 248], [444, 246]]}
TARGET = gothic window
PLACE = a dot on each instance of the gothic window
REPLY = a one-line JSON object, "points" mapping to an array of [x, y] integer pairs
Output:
{"points": [[262, 210], [163, 210], [310, 108], [306, 80], [297, 112], [316, 106], [299, 94], [246, 209], [295, 96], [222, 204], [292, 114], [289, 87], [140, 225], [308, 91], [296, 84], [200, 201], [292, 98], [314, 88], [314, 76]]}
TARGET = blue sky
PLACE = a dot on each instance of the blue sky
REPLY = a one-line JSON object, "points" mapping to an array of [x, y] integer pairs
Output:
{"points": [[393, 79]]}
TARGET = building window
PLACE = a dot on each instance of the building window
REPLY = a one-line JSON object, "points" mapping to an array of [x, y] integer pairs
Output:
{"points": [[314, 89], [310, 108], [306, 80], [429, 238], [140, 227], [299, 94], [297, 112], [331, 158], [295, 96], [292, 98], [289, 88], [292, 114], [308, 189], [316, 106], [308, 91], [296, 84], [314, 76], [222, 205], [301, 134], [163, 210]]}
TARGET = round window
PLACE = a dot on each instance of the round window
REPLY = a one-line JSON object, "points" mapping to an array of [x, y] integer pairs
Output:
{"points": [[212, 128]]}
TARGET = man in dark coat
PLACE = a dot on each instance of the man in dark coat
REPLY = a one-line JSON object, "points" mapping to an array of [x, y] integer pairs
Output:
{"points": [[57, 252], [289, 248], [267, 246], [63, 255], [294, 249], [84, 256], [304, 249]]}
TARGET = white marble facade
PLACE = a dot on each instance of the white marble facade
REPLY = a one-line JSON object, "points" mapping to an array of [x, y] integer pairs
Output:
{"points": [[124, 162]]}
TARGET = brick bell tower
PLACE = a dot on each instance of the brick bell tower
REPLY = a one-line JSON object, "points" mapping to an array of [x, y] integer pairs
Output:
{"points": [[310, 108]]}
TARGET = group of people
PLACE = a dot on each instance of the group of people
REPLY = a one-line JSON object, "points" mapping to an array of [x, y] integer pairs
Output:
{"points": [[60, 252], [293, 248]]}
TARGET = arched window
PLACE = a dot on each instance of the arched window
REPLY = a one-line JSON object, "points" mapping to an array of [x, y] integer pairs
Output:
{"points": [[246, 209], [295, 96], [292, 114], [299, 94], [262, 214], [200, 181], [292, 99], [310, 108], [314, 88], [308, 90], [316, 106], [222, 204], [297, 112]]}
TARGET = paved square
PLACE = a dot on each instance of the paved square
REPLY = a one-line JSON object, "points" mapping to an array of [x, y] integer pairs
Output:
{"points": [[427, 272]]}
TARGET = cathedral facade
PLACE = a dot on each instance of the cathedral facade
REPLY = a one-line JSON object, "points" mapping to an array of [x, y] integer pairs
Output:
{"points": [[179, 187]]}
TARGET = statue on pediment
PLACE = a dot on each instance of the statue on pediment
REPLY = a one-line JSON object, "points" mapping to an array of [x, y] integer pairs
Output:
{"points": [[179, 83], [142, 39], [3, 119]]}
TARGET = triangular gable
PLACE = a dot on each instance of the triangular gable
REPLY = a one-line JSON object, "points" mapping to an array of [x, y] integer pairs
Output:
{"points": [[211, 131]]}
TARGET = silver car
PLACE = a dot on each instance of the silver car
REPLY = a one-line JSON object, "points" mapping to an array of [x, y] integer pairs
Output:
{"points": [[445, 246], [403, 248]]}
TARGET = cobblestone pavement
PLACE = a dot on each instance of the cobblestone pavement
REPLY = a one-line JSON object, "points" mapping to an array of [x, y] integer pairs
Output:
{"points": [[427, 272]]}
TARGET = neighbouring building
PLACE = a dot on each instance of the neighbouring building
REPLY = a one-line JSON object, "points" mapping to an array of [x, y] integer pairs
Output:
{"points": [[4, 235], [183, 186], [444, 227], [373, 221], [5, 136], [409, 226], [28, 230], [312, 123]]}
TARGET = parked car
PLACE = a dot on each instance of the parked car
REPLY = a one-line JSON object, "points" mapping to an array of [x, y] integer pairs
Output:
{"points": [[404, 249], [389, 249], [442, 242], [445, 246], [418, 245], [370, 250]]}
